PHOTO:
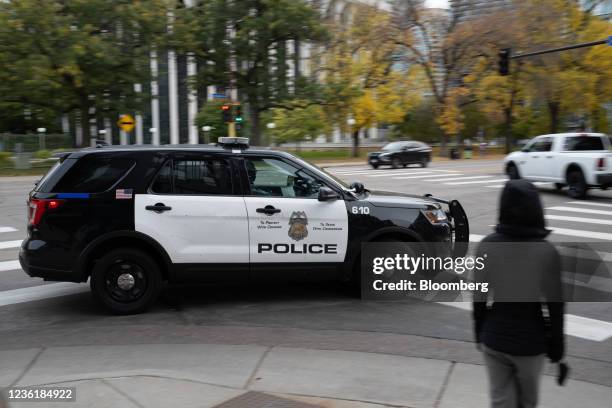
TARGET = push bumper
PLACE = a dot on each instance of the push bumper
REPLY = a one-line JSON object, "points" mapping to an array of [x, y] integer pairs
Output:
{"points": [[460, 224]]}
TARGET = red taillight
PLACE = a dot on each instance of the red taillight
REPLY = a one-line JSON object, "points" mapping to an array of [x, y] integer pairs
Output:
{"points": [[37, 208], [601, 164]]}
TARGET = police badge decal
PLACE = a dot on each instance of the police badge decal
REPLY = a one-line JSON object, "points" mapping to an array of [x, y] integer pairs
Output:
{"points": [[297, 225]]}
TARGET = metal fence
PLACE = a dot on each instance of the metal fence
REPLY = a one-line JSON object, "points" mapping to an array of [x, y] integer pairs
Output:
{"points": [[10, 142]]}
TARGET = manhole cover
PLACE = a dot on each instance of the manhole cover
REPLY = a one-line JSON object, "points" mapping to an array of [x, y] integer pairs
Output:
{"points": [[254, 399]]}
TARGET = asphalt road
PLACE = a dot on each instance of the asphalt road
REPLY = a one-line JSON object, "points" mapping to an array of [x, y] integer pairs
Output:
{"points": [[38, 314]]}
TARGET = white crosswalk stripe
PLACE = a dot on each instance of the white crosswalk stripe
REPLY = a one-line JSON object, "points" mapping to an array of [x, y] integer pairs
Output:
{"points": [[10, 244], [576, 326], [590, 203], [459, 183], [30, 294], [578, 219], [581, 233], [580, 210], [9, 266], [462, 178], [7, 229], [496, 186], [427, 176]]}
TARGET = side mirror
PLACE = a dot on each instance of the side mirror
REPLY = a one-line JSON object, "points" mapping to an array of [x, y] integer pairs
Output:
{"points": [[327, 194], [358, 187]]}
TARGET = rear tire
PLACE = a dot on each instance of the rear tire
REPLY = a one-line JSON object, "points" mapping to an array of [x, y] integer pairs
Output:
{"points": [[577, 186], [424, 163], [126, 281], [559, 186], [512, 172], [374, 166]]}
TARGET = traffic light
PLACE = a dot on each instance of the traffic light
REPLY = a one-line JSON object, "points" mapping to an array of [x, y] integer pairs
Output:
{"points": [[238, 114], [504, 61], [226, 111]]}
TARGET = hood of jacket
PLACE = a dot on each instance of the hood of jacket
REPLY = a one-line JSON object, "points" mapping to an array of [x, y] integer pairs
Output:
{"points": [[520, 211]]}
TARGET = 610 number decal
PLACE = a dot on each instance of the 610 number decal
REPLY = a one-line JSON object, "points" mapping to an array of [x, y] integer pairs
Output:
{"points": [[360, 210]]}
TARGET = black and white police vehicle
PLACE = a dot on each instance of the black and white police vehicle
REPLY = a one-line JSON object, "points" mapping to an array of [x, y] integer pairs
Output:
{"points": [[133, 218]]}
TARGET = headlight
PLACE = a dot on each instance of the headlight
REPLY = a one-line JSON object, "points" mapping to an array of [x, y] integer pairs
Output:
{"points": [[436, 216]]}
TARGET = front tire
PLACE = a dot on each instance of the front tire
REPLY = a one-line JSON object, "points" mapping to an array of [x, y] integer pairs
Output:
{"points": [[395, 163], [126, 281], [374, 166], [512, 172], [424, 163], [577, 186]]}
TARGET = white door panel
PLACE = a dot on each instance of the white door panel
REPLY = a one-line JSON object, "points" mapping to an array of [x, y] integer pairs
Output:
{"points": [[198, 229], [305, 230]]}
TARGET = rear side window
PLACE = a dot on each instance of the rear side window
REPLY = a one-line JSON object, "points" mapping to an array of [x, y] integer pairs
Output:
{"points": [[581, 143], [194, 177], [93, 175]]}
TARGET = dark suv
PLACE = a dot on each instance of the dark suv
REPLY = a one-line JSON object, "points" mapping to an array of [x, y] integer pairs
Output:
{"points": [[131, 218]]}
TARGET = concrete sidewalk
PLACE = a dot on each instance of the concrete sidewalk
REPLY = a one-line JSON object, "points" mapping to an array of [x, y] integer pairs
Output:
{"points": [[210, 375]]}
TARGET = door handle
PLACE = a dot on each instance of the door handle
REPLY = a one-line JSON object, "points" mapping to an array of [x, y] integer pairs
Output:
{"points": [[534, 157], [158, 208], [268, 210], [549, 157]]}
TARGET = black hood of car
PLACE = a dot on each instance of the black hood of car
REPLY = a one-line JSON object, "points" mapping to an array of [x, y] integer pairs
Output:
{"points": [[520, 211], [399, 200]]}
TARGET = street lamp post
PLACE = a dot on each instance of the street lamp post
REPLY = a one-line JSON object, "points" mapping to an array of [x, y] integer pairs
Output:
{"points": [[351, 123], [206, 129], [271, 126], [41, 137]]}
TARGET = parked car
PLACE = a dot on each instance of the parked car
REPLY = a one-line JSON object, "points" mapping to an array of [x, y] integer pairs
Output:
{"points": [[578, 160], [396, 154]]}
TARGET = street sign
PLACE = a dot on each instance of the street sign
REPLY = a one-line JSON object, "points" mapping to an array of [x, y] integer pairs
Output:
{"points": [[126, 123], [219, 96], [610, 40]]}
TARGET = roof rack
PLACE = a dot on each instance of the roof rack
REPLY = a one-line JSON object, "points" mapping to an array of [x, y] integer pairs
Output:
{"points": [[233, 142]]}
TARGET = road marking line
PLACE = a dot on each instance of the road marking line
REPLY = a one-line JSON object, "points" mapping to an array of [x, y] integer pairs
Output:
{"points": [[476, 237], [9, 266], [578, 233], [580, 210], [581, 233], [10, 244], [576, 326], [578, 219], [400, 173], [457, 183], [7, 229], [590, 203], [11, 297], [415, 177], [496, 186], [462, 178]]}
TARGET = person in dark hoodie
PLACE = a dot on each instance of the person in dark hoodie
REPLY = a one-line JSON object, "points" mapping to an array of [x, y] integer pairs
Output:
{"points": [[519, 320]]}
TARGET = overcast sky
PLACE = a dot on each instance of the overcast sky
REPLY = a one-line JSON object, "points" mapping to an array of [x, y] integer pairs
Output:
{"points": [[437, 3]]}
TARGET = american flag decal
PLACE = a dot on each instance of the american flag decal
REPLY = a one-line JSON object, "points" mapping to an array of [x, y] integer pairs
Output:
{"points": [[124, 194]]}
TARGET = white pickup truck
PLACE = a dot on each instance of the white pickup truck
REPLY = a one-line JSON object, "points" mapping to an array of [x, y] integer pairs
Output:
{"points": [[577, 160]]}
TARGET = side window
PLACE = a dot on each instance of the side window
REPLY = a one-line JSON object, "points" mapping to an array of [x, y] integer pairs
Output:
{"points": [[543, 145], [275, 178], [194, 177], [93, 175], [583, 143]]}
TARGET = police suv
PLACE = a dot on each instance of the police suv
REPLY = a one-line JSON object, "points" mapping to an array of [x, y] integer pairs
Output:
{"points": [[131, 218]]}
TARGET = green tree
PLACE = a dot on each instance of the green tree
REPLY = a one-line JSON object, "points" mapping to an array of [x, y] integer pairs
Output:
{"points": [[78, 55], [298, 123], [243, 44]]}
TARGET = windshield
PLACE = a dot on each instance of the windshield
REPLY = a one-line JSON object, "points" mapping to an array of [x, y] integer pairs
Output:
{"points": [[393, 146]]}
